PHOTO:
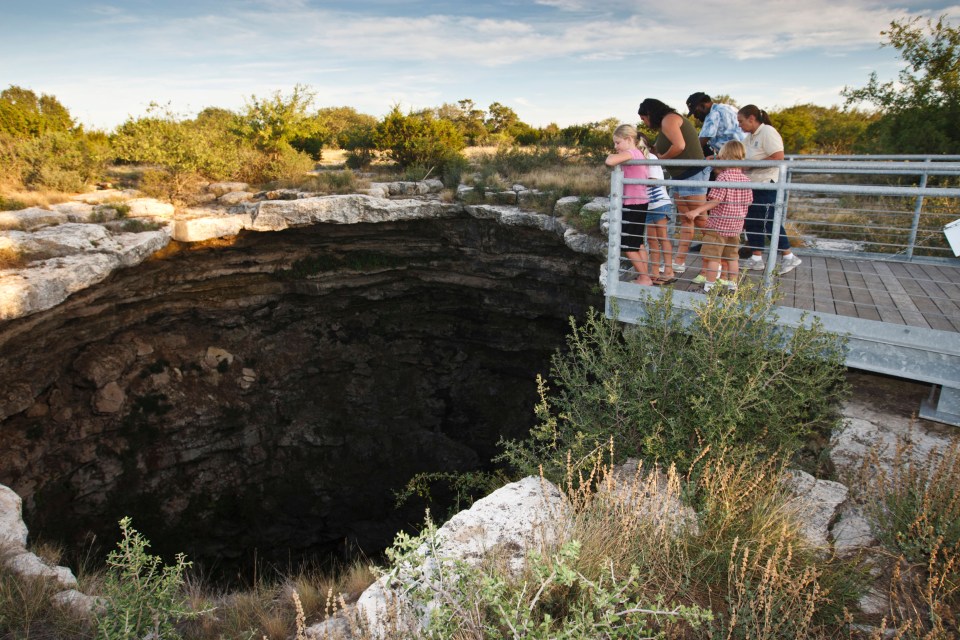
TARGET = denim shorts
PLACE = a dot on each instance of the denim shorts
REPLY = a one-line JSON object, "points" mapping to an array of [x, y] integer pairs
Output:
{"points": [[660, 213], [703, 175]]}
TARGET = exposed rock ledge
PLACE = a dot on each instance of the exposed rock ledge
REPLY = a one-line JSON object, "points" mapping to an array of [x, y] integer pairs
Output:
{"points": [[64, 251]]}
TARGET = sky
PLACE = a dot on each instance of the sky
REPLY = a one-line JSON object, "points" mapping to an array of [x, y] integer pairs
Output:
{"points": [[562, 61]]}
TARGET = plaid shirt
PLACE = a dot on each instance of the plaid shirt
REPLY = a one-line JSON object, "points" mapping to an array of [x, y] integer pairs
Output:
{"points": [[727, 217]]}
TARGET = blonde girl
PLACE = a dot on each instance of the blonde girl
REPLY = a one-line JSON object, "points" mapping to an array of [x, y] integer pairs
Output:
{"points": [[634, 210]]}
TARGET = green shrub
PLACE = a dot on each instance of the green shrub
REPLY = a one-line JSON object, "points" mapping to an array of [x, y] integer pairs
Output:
{"points": [[418, 139], [552, 599], [141, 594], [724, 374]]}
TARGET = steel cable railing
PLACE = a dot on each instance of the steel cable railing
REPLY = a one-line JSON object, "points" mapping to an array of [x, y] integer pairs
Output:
{"points": [[843, 233]]}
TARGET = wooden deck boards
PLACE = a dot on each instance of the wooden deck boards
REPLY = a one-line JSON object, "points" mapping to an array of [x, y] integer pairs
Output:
{"points": [[914, 294]]}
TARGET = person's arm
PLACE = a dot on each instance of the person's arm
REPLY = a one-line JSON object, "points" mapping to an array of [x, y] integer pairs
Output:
{"points": [[707, 206], [617, 158], [671, 130]]}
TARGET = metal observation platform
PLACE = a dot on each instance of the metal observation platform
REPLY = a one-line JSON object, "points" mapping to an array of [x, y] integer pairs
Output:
{"points": [[879, 254]]}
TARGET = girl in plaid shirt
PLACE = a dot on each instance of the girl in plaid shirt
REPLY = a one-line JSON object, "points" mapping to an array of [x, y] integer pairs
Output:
{"points": [[728, 208]]}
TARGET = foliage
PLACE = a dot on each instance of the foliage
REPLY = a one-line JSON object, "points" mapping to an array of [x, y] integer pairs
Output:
{"points": [[40, 148], [723, 374], [141, 594], [418, 139], [551, 599], [182, 149], [919, 112], [338, 122], [280, 123], [593, 140], [808, 128], [24, 115]]}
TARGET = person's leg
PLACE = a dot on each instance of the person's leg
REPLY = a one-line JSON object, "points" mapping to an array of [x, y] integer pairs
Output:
{"points": [[688, 199], [666, 250], [758, 224], [639, 261]]}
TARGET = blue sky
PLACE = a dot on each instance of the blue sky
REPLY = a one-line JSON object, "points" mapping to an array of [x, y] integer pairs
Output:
{"points": [[563, 61]]}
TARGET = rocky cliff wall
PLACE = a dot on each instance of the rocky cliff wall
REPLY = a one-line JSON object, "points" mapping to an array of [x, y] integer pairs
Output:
{"points": [[270, 391]]}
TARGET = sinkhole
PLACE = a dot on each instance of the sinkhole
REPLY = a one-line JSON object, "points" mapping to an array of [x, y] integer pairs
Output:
{"points": [[266, 397]]}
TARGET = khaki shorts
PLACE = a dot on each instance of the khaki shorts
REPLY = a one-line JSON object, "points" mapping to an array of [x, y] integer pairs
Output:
{"points": [[718, 247]]}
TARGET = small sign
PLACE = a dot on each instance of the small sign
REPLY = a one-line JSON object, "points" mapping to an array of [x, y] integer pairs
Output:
{"points": [[952, 231]]}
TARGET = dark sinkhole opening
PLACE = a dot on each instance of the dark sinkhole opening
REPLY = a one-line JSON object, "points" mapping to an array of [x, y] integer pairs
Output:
{"points": [[266, 397]]}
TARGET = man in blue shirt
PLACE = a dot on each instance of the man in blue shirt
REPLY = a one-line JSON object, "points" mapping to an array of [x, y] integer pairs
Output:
{"points": [[719, 122]]}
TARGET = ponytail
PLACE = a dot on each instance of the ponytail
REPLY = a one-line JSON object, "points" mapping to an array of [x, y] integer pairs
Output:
{"points": [[758, 114]]}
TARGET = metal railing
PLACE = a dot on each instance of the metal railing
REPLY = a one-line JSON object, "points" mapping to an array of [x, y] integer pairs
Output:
{"points": [[877, 265]]}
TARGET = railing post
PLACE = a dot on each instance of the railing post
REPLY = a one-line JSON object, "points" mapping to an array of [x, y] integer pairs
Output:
{"points": [[613, 236], [917, 208], [779, 209]]}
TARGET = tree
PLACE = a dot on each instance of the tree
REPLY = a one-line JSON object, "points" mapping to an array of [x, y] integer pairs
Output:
{"points": [[919, 112], [279, 123], [418, 139], [24, 115], [500, 118]]}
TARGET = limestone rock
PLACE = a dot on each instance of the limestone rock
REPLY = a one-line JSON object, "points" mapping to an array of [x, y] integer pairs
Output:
{"points": [[512, 520], [215, 356], [220, 188], [48, 283], [150, 208], [75, 211], [29, 565], [75, 601], [567, 206], [199, 225], [29, 219], [816, 501], [235, 197], [852, 532], [276, 215], [13, 532], [109, 399], [583, 243], [103, 363]]}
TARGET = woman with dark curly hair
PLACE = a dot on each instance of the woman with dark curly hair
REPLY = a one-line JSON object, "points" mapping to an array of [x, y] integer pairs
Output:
{"points": [[677, 139]]}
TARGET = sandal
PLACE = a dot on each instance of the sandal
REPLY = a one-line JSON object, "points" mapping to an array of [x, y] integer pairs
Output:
{"points": [[661, 280]]}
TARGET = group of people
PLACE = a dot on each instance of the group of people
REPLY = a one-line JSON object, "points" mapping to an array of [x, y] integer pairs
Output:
{"points": [[721, 212]]}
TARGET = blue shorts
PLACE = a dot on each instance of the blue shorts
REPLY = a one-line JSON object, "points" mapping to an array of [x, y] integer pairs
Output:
{"points": [[703, 175], [658, 214]]}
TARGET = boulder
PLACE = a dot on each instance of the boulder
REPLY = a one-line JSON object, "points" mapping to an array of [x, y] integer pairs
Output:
{"points": [[567, 206], [13, 532], [29, 219], [816, 503], [220, 188], [109, 399], [150, 208], [30, 565], [510, 522], [235, 197]]}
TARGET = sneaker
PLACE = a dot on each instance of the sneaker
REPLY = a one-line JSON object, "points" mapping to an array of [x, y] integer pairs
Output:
{"points": [[729, 284], [679, 268], [755, 265], [707, 286], [789, 263], [700, 279]]}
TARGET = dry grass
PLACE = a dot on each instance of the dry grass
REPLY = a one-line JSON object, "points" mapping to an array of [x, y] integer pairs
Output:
{"points": [[914, 506], [569, 179], [42, 198]]}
